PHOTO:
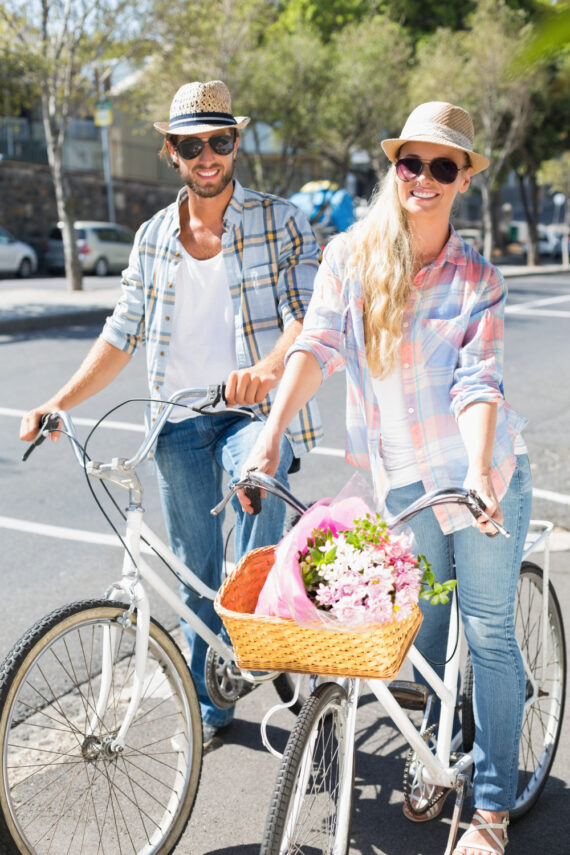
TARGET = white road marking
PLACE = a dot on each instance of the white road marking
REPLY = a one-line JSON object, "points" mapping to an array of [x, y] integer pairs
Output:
{"points": [[551, 496], [535, 307]]}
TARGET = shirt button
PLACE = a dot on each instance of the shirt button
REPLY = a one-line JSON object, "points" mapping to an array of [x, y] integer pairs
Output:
{"points": [[406, 364], [162, 352], [157, 387], [167, 318], [170, 284], [411, 410], [405, 324]]}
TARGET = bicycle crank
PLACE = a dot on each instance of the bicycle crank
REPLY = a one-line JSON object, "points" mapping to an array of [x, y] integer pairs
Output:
{"points": [[224, 682]]}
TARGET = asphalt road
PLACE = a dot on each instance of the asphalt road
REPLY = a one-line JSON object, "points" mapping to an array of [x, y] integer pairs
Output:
{"points": [[41, 570]]}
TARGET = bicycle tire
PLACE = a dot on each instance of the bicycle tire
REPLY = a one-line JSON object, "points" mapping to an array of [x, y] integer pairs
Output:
{"points": [[62, 788], [285, 687], [542, 719], [308, 810]]}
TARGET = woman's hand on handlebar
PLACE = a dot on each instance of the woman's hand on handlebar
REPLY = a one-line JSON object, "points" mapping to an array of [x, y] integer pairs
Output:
{"points": [[264, 457], [482, 484]]}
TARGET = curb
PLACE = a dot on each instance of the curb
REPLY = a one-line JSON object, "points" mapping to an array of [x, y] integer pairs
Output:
{"points": [[44, 312], [53, 319]]}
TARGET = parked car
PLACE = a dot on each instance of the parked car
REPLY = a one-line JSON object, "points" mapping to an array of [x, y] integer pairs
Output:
{"points": [[474, 238], [549, 244], [103, 247], [16, 257]]}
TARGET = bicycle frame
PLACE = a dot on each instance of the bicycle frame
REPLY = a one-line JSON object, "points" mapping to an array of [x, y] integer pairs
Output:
{"points": [[122, 473]]}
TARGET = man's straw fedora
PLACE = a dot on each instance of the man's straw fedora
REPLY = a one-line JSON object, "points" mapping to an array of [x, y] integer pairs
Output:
{"points": [[441, 123], [201, 107]]}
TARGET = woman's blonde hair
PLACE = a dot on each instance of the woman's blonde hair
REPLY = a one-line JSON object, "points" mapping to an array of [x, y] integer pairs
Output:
{"points": [[384, 261]]}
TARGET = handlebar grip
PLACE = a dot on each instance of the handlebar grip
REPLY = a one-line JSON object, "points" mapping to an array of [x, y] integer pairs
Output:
{"points": [[48, 422], [254, 496], [477, 513]]}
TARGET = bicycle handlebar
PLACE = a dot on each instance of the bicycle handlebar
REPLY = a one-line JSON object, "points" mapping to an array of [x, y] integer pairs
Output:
{"points": [[211, 396], [450, 495]]}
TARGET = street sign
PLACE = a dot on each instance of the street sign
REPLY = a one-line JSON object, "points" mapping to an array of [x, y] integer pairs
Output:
{"points": [[103, 113]]}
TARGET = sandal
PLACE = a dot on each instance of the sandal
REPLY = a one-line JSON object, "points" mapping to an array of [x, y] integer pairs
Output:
{"points": [[479, 824], [432, 812]]}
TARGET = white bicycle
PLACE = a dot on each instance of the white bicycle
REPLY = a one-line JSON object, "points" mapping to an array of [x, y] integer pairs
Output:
{"points": [[100, 726], [310, 809]]}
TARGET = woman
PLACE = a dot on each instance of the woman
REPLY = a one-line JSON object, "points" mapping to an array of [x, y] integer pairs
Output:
{"points": [[417, 317]]}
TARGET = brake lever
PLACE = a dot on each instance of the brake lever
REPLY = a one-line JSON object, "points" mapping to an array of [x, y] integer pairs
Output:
{"points": [[477, 508], [48, 423], [216, 395]]}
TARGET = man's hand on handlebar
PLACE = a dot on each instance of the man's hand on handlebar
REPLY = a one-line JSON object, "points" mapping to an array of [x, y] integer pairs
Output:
{"points": [[31, 424], [250, 385]]}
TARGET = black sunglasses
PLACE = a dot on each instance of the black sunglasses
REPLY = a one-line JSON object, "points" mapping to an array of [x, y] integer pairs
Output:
{"points": [[191, 147], [443, 169]]}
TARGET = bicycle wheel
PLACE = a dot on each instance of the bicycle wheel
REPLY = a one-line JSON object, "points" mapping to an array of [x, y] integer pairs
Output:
{"points": [[312, 799], [63, 788], [545, 686]]}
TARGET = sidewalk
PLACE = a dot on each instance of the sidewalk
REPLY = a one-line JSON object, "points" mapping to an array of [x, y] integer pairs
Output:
{"points": [[29, 307]]}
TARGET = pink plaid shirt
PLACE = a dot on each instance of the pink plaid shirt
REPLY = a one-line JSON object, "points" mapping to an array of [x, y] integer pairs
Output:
{"points": [[452, 355]]}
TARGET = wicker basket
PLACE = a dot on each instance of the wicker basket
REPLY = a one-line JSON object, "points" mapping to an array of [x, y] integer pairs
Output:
{"points": [[279, 644]]}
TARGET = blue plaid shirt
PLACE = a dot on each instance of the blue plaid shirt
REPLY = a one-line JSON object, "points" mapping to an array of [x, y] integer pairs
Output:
{"points": [[271, 258]]}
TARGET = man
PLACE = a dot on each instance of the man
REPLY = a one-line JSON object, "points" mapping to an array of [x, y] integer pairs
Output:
{"points": [[216, 287]]}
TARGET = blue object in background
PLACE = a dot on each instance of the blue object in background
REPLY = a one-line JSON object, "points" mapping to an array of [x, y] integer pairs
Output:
{"points": [[325, 205]]}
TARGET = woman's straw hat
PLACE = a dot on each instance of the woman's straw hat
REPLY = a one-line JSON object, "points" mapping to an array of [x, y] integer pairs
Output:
{"points": [[200, 107], [441, 123]]}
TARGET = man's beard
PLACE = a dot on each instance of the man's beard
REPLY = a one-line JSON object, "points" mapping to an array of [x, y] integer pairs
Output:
{"points": [[211, 190]]}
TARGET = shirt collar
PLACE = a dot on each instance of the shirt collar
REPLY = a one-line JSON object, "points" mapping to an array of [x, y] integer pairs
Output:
{"points": [[234, 212], [452, 251], [232, 215]]}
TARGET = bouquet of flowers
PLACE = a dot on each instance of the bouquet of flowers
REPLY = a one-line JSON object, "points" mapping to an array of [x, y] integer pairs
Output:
{"points": [[367, 574], [341, 568]]}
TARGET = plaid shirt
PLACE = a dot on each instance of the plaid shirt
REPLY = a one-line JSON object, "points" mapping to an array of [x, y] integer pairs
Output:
{"points": [[451, 352], [271, 258]]}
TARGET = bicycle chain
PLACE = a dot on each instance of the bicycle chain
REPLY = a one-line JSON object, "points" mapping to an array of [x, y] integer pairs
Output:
{"points": [[437, 794]]}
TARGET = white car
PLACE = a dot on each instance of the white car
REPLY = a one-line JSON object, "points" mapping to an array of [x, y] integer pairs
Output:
{"points": [[103, 247], [16, 257]]}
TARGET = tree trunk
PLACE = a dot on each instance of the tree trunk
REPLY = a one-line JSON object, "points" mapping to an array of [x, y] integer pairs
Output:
{"points": [[65, 209], [487, 219], [531, 215]]}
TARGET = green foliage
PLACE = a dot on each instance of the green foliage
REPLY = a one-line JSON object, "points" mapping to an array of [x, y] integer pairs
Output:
{"points": [[436, 593], [556, 174], [551, 36], [325, 16]]}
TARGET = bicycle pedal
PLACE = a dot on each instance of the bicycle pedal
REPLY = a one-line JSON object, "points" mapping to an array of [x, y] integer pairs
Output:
{"points": [[410, 695]]}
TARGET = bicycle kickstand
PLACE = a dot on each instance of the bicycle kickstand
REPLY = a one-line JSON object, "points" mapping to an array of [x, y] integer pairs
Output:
{"points": [[461, 787]]}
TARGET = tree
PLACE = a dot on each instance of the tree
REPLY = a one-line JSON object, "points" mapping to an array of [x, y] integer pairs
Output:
{"points": [[362, 99], [472, 68], [326, 17], [547, 135], [555, 173], [65, 41]]}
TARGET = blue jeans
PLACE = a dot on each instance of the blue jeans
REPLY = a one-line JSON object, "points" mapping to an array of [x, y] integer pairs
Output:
{"points": [[487, 571], [191, 458]]}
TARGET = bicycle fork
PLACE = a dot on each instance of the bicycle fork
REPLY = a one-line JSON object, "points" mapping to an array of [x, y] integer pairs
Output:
{"points": [[129, 585]]}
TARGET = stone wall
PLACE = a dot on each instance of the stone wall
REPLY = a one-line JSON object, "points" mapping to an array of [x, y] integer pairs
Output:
{"points": [[28, 209]]}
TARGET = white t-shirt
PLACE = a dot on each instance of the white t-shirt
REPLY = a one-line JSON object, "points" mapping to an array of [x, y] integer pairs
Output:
{"points": [[202, 348], [397, 447]]}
